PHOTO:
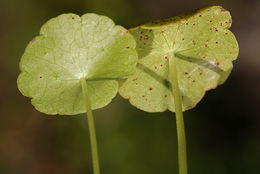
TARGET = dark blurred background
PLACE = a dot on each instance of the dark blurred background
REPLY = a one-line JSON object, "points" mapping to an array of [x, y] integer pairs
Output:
{"points": [[223, 131]]}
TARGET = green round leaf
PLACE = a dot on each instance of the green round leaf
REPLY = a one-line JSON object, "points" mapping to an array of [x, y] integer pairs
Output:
{"points": [[69, 48], [203, 49]]}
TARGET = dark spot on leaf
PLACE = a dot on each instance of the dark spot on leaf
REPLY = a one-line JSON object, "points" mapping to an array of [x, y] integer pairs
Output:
{"points": [[223, 10], [185, 73], [200, 73], [150, 88], [40, 77], [206, 45], [193, 81], [127, 47], [143, 96], [226, 33], [216, 30], [193, 24], [165, 95], [217, 42], [217, 63], [162, 31], [182, 38], [32, 41], [210, 21], [193, 42], [155, 67], [161, 65], [166, 57], [200, 15]]}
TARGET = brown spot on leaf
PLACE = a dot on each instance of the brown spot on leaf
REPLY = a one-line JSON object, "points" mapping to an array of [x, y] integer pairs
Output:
{"points": [[185, 73], [32, 41], [222, 9], [150, 88], [193, 81], [127, 47]]}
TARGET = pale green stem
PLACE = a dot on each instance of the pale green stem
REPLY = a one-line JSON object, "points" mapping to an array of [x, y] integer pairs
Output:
{"points": [[91, 125], [182, 157]]}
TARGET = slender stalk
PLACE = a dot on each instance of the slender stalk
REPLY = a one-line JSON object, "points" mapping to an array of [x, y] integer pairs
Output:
{"points": [[91, 125], [182, 157]]}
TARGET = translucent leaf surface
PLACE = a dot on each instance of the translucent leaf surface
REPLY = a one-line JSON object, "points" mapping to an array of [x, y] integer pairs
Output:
{"points": [[69, 48], [203, 49]]}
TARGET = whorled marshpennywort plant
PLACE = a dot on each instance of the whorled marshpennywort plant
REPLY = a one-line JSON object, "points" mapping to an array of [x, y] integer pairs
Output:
{"points": [[75, 63], [179, 59], [73, 66]]}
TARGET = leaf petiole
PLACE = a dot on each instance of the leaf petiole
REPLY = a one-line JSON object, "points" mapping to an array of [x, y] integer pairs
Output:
{"points": [[182, 156], [91, 125]]}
